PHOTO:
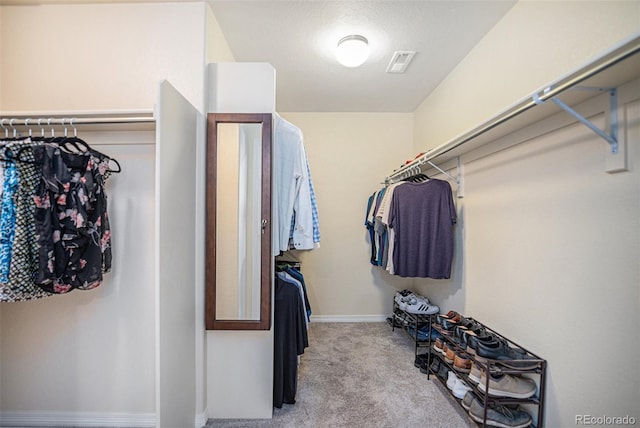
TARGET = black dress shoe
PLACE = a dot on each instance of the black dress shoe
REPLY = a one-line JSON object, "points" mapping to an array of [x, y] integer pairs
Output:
{"points": [[473, 340]]}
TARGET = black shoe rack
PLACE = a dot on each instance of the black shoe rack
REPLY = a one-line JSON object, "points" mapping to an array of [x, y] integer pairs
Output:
{"points": [[408, 322], [536, 366]]}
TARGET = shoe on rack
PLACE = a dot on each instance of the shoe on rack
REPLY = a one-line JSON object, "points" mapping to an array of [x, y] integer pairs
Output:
{"points": [[475, 373], [422, 362], [451, 380], [422, 334], [499, 349], [447, 326], [443, 371], [421, 307], [435, 366], [461, 363], [501, 416], [421, 359], [395, 322], [468, 399], [460, 389], [438, 346], [507, 385], [449, 314], [449, 355], [474, 340], [460, 336], [403, 297]]}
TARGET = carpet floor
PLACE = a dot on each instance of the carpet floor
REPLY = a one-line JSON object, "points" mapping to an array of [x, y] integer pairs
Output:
{"points": [[361, 375]]}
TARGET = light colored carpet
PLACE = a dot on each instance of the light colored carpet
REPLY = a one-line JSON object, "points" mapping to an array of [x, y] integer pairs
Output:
{"points": [[361, 375]]}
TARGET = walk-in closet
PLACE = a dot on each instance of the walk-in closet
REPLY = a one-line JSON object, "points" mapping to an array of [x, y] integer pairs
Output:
{"points": [[441, 232]]}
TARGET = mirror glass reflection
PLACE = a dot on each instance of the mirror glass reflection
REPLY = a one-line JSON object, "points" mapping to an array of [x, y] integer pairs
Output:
{"points": [[238, 221]]}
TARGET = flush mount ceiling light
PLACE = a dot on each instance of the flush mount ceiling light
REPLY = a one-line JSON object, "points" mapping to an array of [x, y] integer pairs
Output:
{"points": [[352, 50]]}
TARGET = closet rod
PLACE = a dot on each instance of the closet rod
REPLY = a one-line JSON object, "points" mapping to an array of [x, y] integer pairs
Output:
{"points": [[72, 121], [623, 52]]}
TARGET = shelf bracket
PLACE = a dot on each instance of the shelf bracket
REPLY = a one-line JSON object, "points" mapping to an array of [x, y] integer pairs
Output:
{"points": [[458, 180], [612, 136]]}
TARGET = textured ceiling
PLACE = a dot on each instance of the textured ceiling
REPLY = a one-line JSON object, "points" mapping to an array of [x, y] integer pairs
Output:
{"points": [[298, 38]]}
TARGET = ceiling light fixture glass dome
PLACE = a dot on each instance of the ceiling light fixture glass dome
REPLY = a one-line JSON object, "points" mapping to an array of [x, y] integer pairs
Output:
{"points": [[352, 50]]}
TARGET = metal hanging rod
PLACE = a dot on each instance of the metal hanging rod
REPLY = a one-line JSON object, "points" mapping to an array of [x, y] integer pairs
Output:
{"points": [[70, 121], [623, 52]]}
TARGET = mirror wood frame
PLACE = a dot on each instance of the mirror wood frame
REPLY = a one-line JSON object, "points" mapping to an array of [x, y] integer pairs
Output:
{"points": [[213, 122]]}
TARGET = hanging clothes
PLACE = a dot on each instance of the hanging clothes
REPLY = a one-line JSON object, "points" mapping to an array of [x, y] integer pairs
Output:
{"points": [[422, 218], [54, 226], [72, 220], [295, 217], [410, 225], [382, 227], [17, 233], [290, 340]]}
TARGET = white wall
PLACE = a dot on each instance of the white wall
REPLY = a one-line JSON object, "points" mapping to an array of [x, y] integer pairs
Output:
{"points": [[216, 50], [240, 363], [535, 43], [100, 56], [93, 351], [349, 154], [550, 252], [97, 57], [548, 242]]}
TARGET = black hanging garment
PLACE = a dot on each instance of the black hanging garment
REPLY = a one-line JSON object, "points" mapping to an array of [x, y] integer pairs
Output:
{"points": [[72, 221], [290, 340]]}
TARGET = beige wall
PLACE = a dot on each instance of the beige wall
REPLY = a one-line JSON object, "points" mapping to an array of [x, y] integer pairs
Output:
{"points": [[547, 240], [97, 57], [349, 154], [100, 56], [550, 252], [535, 43]]}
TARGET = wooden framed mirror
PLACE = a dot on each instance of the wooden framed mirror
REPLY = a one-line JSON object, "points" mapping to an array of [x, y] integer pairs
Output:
{"points": [[238, 222]]}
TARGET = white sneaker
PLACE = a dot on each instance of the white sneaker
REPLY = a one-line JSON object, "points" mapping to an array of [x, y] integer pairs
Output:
{"points": [[460, 389], [421, 307], [452, 379], [402, 301]]}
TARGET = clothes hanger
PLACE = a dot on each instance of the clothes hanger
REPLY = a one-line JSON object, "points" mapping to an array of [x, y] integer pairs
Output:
{"points": [[6, 130], [83, 147]]}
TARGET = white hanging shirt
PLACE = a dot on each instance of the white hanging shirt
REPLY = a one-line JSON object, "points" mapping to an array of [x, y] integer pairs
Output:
{"points": [[291, 189]]}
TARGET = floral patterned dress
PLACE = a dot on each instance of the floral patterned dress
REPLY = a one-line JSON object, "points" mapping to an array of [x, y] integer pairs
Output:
{"points": [[73, 233]]}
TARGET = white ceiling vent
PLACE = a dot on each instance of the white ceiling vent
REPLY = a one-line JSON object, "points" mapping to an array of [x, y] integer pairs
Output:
{"points": [[400, 61]]}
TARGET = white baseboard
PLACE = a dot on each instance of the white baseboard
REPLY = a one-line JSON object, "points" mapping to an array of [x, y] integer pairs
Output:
{"points": [[80, 419], [348, 318], [202, 418]]}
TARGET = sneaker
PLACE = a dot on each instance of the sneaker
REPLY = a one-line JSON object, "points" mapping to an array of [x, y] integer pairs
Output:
{"points": [[508, 386], [452, 379], [460, 389], [475, 373], [437, 346], [501, 416], [468, 399], [404, 296], [421, 307]]}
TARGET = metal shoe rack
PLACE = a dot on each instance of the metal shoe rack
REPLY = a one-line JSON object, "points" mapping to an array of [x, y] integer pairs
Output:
{"points": [[407, 320], [538, 367]]}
